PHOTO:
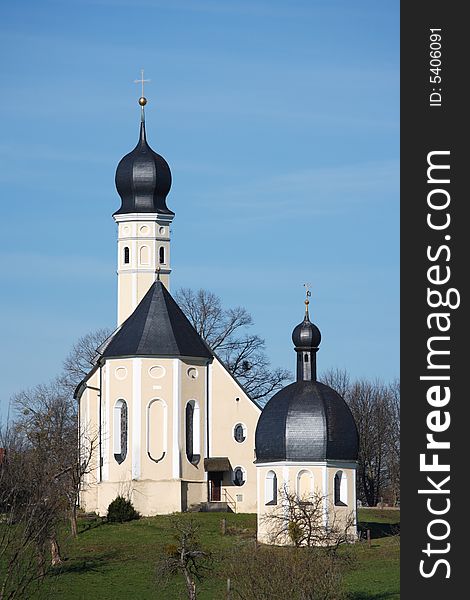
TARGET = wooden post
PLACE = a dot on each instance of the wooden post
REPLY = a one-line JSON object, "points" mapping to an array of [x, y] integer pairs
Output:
{"points": [[368, 537], [223, 525]]}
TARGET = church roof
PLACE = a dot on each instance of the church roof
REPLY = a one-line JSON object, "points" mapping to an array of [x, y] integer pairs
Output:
{"points": [[157, 327], [306, 421]]}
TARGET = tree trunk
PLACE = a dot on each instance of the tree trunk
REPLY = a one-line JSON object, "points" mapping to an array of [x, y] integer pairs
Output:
{"points": [[55, 553], [73, 522], [191, 586]]}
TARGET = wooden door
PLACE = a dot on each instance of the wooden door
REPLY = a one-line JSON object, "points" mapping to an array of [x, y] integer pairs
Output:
{"points": [[215, 486]]}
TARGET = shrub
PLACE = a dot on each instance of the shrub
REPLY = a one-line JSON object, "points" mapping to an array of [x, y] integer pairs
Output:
{"points": [[121, 510], [262, 572]]}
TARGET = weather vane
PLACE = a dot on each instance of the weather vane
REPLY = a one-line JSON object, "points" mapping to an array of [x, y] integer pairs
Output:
{"points": [[142, 99], [308, 293]]}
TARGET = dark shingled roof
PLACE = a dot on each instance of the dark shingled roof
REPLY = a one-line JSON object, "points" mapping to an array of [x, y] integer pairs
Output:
{"points": [[157, 327], [217, 463], [306, 421], [143, 180]]}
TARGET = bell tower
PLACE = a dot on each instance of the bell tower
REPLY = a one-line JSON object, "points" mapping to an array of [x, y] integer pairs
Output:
{"points": [[143, 180]]}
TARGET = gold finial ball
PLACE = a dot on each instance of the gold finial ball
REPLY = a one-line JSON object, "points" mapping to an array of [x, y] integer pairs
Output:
{"points": [[307, 302], [142, 101]]}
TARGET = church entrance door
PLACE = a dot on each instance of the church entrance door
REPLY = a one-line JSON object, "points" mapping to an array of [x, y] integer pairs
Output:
{"points": [[215, 482]]}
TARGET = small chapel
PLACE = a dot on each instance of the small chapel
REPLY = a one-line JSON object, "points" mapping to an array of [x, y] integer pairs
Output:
{"points": [[172, 429]]}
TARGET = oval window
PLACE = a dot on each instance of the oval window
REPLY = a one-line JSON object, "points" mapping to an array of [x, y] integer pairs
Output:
{"points": [[239, 433], [239, 476]]}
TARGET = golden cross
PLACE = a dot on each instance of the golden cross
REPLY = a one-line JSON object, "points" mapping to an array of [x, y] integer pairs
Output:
{"points": [[307, 287], [142, 81]]}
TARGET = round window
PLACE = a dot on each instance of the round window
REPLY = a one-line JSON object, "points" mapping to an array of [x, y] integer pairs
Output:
{"points": [[157, 371], [192, 373]]}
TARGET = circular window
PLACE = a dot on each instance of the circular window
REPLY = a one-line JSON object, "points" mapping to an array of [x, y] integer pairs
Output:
{"points": [[239, 476], [144, 230], [192, 373], [121, 373], [157, 372], [126, 230], [239, 433], [161, 230]]}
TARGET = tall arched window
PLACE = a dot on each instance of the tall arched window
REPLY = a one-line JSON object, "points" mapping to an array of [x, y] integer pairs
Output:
{"points": [[341, 489], [144, 255], [270, 488], [193, 432], [305, 485], [157, 430], [120, 431], [126, 255], [161, 255]]}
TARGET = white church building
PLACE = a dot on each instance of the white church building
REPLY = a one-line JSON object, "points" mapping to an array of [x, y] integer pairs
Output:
{"points": [[173, 429]]}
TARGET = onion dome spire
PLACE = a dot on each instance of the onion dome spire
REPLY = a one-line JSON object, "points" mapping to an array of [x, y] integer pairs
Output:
{"points": [[306, 420], [143, 177], [306, 337]]}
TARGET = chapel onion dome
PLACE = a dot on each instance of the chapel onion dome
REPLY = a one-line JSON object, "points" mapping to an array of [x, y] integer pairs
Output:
{"points": [[143, 178], [307, 421], [306, 334]]}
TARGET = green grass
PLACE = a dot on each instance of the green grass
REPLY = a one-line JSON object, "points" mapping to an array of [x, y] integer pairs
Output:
{"points": [[117, 561], [376, 575]]}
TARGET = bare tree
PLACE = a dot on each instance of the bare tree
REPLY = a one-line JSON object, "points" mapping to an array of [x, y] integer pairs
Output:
{"points": [[47, 418], [28, 518], [376, 410], [339, 380], [185, 557], [79, 360], [393, 446], [309, 520], [227, 333]]}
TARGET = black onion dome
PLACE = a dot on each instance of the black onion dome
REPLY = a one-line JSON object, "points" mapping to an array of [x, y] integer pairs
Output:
{"points": [[306, 421], [306, 334], [143, 180]]}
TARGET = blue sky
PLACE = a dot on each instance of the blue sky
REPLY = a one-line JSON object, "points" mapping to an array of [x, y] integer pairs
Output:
{"points": [[280, 122]]}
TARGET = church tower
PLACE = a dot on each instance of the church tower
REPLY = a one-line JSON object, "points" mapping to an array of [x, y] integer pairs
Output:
{"points": [[164, 421], [143, 181]]}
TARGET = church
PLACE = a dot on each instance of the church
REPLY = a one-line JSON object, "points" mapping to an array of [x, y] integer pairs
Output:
{"points": [[168, 425]]}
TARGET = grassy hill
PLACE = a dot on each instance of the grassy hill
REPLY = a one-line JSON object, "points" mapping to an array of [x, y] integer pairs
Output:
{"points": [[117, 561]]}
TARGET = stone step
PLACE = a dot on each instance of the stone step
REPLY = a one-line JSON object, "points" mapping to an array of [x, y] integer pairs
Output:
{"points": [[215, 507]]}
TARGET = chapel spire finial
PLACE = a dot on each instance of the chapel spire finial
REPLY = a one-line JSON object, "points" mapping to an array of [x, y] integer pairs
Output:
{"points": [[308, 293], [142, 99]]}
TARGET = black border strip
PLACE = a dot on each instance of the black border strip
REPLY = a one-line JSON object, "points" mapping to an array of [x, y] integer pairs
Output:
{"points": [[430, 124]]}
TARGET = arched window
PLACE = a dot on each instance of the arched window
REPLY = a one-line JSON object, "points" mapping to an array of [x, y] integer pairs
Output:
{"points": [[270, 488], [305, 357], [341, 489], [126, 255], [239, 476], [144, 255], [120, 431], [157, 427], [161, 255], [305, 485], [193, 432], [239, 433]]}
